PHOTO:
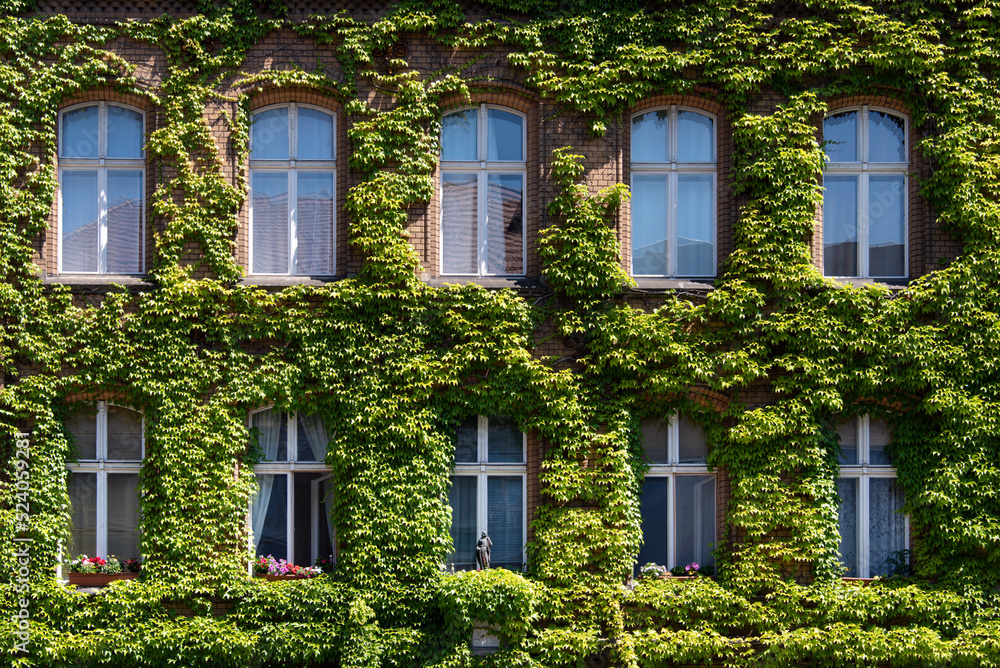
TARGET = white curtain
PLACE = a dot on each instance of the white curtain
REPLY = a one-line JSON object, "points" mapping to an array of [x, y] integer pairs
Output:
{"points": [[269, 424], [316, 435]]}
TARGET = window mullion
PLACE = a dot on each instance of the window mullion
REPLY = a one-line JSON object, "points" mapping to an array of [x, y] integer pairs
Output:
{"points": [[482, 220], [290, 516], [102, 219], [672, 221], [293, 203], [864, 523], [101, 540]]}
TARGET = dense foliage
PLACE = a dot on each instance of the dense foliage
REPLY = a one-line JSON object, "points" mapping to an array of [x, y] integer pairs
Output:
{"points": [[392, 364]]}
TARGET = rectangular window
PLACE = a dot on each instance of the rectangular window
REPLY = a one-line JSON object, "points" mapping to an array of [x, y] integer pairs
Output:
{"points": [[103, 485], [678, 503], [874, 533], [290, 513], [488, 493]]}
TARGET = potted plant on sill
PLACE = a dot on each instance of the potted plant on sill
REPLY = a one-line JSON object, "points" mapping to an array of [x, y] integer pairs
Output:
{"points": [[278, 569], [87, 571]]}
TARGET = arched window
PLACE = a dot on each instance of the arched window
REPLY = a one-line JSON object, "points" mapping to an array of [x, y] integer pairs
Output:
{"points": [[104, 483], [864, 206], [101, 186], [678, 495], [483, 171], [293, 179], [674, 173], [290, 514]]}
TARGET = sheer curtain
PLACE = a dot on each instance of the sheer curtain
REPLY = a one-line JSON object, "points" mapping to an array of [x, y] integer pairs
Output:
{"points": [[269, 424], [887, 524], [316, 437]]}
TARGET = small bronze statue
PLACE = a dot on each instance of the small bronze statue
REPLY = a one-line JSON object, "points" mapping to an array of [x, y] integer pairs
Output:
{"points": [[483, 551]]}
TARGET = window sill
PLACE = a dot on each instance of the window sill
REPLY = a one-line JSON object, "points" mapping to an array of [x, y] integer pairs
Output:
{"points": [[100, 282], [647, 284], [266, 281], [488, 282], [890, 283]]}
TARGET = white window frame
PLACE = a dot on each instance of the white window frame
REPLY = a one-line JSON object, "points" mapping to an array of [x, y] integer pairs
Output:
{"points": [[863, 472], [293, 167], [483, 168], [102, 164], [862, 169], [672, 169], [672, 470], [102, 466], [483, 470], [288, 468]]}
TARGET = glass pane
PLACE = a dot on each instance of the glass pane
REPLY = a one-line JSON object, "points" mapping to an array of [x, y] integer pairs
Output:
{"points": [[848, 432], [82, 488], [124, 222], [840, 225], [269, 135], [886, 138], [79, 133], [83, 426], [270, 222], [695, 225], [505, 521], [692, 445], [653, 507], [654, 437], [123, 515], [649, 137], [79, 221], [847, 489], [879, 438], [467, 441], [505, 224], [649, 224], [887, 524], [270, 516], [695, 138], [124, 133], [505, 135], [124, 434], [462, 499], [886, 225], [459, 131], [459, 224], [505, 442], [314, 224], [327, 547], [840, 134], [273, 436], [315, 135], [302, 518], [695, 520], [313, 440]]}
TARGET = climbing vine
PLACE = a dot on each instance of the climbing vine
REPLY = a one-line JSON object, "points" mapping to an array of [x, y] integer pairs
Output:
{"points": [[393, 365]]}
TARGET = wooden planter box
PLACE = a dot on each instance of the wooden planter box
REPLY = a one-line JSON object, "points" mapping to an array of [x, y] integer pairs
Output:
{"points": [[98, 579], [864, 582], [272, 578]]}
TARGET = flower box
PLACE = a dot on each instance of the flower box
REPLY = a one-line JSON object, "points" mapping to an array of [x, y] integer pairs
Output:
{"points": [[272, 578], [98, 579], [864, 582]]}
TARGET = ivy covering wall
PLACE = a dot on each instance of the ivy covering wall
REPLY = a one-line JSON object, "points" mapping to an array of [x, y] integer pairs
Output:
{"points": [[392, 364]]}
